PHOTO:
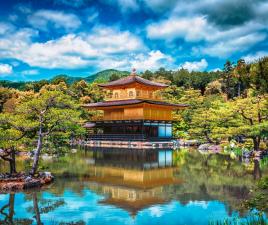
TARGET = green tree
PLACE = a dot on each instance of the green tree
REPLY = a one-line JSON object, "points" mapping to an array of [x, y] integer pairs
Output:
{"points": [[241, 76], [259, 75], [147, 75], [13, 133], [114, 77], [205, 119], [55, 112], [251, 115], [46, 112], [5, 94], [227, 77]]}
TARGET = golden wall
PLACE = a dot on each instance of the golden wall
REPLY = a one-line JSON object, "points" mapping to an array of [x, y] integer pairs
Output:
{"points": [[137, 113], [157, 114]]}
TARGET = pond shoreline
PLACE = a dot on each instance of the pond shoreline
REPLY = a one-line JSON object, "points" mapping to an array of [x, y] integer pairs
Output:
{"points": [[22, 181]]}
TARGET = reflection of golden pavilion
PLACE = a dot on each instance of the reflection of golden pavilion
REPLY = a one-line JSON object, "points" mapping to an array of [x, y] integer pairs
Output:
{"points": [[133, 187]]}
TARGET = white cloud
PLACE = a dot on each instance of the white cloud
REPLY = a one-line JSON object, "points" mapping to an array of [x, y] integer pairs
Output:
{"points": [[197, 29], [253, 57], [5, 28], [113, 63], [213, 40], [189, 28], [5, 69], [69, 51], [15, 44], [30, 72], [202, 204], [156, 211], [73, 50], [108, 40], [128, 5], [43, 19], [195, 66], [151, 61], [226, 48]]}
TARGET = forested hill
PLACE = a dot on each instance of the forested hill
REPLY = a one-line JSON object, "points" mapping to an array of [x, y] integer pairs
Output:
{"points": [[101, 76]]}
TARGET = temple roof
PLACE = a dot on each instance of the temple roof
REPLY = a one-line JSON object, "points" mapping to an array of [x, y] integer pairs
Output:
{"points": [[133, 78], [131, 102], [133, 207]]}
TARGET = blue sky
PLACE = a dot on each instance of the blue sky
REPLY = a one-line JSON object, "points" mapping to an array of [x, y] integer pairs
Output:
{"points": [[40, 39]]}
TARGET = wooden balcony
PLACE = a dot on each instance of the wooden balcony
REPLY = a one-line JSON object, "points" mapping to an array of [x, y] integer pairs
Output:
{"points": [[142, 95], [118, 137], [125, 137]]}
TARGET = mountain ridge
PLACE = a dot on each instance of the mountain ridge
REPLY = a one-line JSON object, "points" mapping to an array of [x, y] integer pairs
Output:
{"points": [[101, 76]]}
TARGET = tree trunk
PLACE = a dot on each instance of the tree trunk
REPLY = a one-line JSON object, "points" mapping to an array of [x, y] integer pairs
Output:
{"points": [[11, 207], [256, 143], [37, 152], [36, 209], [12, 161], [257, 170], [239, 89], [208, 138]]}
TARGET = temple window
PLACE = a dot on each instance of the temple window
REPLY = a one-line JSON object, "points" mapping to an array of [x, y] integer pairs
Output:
{"points": [[116, 95], [131, 94]]}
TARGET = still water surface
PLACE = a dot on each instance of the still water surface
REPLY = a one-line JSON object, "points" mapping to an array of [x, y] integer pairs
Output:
{"points": [[135, 187]]}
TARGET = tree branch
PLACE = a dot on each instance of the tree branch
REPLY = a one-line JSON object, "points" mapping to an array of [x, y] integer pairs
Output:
{"points": [[245, 117], [51, 128]]}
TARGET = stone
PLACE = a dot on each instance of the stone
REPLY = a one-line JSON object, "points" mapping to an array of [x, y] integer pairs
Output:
{"points": [[215, 148], [73, 150], [28, 179], [203, 147]]}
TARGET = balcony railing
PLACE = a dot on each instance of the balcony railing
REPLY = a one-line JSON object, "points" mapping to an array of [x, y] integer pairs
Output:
{"points": [[123, 96], [119, 137], [125, 137]]}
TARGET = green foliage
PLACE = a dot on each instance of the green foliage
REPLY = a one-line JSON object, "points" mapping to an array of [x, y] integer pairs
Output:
{"points": [[5, 94], [259, 197], [263, 183], [253, 220], [49, 112]]}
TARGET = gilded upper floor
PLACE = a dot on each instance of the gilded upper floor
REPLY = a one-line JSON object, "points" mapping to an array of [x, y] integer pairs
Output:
{"points": [[133, 87], [133, 93]]}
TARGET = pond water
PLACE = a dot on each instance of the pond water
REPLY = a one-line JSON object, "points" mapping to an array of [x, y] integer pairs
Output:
{"points": [[135, 187]]}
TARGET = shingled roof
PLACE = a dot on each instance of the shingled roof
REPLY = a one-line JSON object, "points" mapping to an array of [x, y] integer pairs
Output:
{"points": [[133, 78], [131, 102]]}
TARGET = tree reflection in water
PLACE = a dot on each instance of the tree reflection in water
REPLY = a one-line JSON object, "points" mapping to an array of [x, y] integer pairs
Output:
{"points": [[134, 182], [8, 212], [257, 169]]}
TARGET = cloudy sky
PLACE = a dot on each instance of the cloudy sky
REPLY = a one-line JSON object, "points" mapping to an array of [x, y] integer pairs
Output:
{"points": [[39, 39]]}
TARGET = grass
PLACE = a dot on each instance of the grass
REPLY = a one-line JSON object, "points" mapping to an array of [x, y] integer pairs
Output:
{"points": [[254, 220]]}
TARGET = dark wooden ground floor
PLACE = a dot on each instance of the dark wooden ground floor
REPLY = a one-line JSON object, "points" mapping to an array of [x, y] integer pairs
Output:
{"points": [[130, 130]]}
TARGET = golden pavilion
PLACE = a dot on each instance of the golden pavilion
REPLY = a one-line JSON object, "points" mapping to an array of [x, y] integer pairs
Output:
{"points": [[134, 111]]}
